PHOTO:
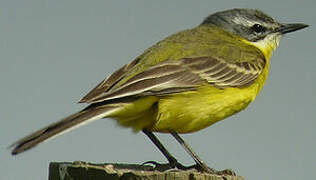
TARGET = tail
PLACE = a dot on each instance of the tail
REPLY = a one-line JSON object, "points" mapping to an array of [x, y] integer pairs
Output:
{"points": [[87, 115]]}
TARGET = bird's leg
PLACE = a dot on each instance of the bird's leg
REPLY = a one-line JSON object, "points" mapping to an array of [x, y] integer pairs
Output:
{"points": [[172, 160], [200, 165]]}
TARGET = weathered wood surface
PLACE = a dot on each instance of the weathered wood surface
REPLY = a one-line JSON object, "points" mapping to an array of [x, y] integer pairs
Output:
{"points": [[88, 171]]}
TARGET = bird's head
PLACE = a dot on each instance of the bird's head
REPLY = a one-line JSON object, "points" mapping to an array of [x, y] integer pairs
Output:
{"points": [[253, 26]]}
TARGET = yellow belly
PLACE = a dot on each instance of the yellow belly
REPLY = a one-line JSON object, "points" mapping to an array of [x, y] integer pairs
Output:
{"points": [[192, 111], [189, 111]]}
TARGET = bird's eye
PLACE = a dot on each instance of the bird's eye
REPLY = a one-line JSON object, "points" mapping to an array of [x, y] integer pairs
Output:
{"points": [[258, 28]]}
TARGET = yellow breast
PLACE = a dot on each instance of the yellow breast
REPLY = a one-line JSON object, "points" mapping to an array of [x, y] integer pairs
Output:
{"points": [[191, 111]]}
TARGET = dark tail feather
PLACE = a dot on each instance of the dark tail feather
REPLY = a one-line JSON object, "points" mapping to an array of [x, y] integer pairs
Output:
{"points": [[62, 126]]}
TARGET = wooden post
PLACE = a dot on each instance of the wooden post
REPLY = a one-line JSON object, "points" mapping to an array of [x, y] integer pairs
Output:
{"points": [[88, 171]]}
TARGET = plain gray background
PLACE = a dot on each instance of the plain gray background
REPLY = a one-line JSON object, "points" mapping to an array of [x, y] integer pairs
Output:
{"points": [[53, 52]]}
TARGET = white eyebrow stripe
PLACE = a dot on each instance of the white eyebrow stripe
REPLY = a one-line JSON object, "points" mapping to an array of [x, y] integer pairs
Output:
{"points": [[246, 22], [243, 21]]}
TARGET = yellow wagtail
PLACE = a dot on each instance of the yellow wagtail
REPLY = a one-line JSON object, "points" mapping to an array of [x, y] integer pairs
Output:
{"points": [[184, 83]]}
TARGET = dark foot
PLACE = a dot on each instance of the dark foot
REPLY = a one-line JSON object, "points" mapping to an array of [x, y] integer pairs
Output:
{"points": [[168, 166], [159, 166], [176, 165], [228, 172], [206, 169]]}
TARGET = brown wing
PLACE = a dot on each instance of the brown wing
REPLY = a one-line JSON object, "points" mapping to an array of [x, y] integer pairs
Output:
{"points": [[109, 82], [177, 76], [223, 74]]}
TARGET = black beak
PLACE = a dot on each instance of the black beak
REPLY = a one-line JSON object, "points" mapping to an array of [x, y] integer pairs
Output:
{"points": [[287, 28]]}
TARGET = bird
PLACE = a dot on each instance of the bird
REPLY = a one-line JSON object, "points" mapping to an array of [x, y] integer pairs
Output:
{"points": [[183, 83]]}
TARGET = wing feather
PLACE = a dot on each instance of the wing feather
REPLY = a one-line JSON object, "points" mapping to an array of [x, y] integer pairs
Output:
{"points": [[170, 77], [156, 79], [109, 82]]}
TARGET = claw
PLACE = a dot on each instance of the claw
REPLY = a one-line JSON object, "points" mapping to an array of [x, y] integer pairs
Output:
{"points": [[159, 166], [150, 162], [204, 168], [228, 172], [207, 169], [176, 165], [168, 166]]}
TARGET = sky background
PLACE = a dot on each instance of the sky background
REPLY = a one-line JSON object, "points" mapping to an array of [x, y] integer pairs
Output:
{"points": [[53, 52]]}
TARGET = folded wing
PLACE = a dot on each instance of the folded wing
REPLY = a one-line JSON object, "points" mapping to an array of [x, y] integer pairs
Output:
{"points": [[170, 77]]}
